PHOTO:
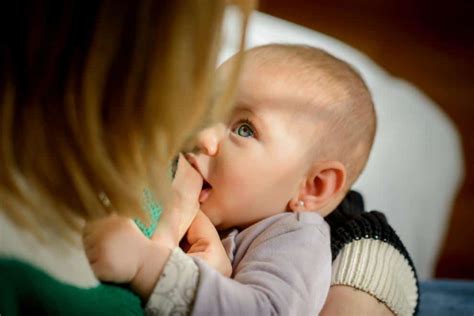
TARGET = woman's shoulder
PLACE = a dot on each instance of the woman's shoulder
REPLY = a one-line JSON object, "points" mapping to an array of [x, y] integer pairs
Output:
{"points": [[350, 222], [62, 261], [381, 255]]}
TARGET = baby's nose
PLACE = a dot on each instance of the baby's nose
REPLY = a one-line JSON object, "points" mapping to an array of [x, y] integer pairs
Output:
{"points": [[208, 140]]}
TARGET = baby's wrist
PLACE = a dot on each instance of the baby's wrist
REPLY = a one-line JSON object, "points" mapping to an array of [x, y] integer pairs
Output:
{"points": [[149, 269]]}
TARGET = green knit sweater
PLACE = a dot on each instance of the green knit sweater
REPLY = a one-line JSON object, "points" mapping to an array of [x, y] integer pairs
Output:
{"points": [[26, 290]]}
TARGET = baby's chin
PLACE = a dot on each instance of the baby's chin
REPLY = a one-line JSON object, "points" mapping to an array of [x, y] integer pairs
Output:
{"points": [[213, 217], [208, 211]]}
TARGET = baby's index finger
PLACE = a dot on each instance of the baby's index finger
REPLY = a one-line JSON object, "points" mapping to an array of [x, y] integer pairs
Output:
{"points": [[186, 178], [187, 174]]}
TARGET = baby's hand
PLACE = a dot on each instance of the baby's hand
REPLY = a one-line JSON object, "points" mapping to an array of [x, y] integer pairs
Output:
{"points": [[204, 243], [115, 248], [182, 206]]}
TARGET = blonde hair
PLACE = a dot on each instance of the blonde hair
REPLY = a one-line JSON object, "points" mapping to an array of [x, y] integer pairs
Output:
{"points": [[347, 110], [95, 100]]}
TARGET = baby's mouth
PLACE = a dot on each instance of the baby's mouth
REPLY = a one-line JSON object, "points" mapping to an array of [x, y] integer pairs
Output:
{"points": [[205, 191]]}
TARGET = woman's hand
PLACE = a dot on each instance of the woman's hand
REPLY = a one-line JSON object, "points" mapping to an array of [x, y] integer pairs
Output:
{"points": [[204, 242], [182, 206]]}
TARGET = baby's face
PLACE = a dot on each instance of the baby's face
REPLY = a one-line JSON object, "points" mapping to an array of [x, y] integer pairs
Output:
{"points": [[255, 163]]}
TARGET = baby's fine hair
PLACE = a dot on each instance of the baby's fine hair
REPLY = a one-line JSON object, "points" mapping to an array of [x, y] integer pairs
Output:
{"points": [[344, 105]]}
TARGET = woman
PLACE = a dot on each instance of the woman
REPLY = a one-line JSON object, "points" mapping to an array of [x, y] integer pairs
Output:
{"points": [[92, 96]]}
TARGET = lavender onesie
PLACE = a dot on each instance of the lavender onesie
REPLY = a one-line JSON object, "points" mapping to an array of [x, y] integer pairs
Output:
{"points": [[281, 266]]}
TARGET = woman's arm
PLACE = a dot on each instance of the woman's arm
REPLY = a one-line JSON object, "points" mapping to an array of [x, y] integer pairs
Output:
{"points": [[118, 251], [346, 300]]}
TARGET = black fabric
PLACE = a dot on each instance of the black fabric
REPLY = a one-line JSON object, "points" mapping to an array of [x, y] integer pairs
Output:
{"points": [[349, 221]]}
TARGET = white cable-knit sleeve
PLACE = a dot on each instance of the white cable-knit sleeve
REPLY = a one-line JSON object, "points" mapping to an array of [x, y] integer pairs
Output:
{"points": [[377, 268]]}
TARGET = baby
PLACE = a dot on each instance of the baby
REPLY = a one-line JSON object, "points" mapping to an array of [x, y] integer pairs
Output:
{"points": [[299, 136]]}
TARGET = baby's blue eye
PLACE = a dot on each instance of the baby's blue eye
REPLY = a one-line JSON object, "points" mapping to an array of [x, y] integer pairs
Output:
{"points": [[244, 130]]}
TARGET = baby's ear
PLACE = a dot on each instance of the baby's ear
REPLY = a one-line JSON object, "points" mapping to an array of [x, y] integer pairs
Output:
{"points": [[321, 187]]}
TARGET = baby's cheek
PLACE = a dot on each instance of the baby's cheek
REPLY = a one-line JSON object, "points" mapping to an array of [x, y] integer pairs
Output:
{"points": [[232, 185], [238, 190], [235, 180]]}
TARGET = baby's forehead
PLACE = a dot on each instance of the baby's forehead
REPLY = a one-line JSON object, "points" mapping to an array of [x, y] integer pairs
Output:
{"points": [[305, 81], [293, 92], [286, 111], [307, 78]]}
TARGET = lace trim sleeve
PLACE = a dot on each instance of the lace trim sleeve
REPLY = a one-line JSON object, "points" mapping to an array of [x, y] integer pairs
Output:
{"points": [[175, 290]]}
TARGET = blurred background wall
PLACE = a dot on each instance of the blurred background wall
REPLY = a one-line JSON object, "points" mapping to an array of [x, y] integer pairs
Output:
{"points": [[431, 44]]}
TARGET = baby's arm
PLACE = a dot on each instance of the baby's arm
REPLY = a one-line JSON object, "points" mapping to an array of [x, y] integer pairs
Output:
{"points": [[176, 289], [202, 238], [204, 243], [182, 205], [119, 253], [282, 268]]}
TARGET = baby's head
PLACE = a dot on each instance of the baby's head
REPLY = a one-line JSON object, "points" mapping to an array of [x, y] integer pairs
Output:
{"points": [[299, 136]]}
